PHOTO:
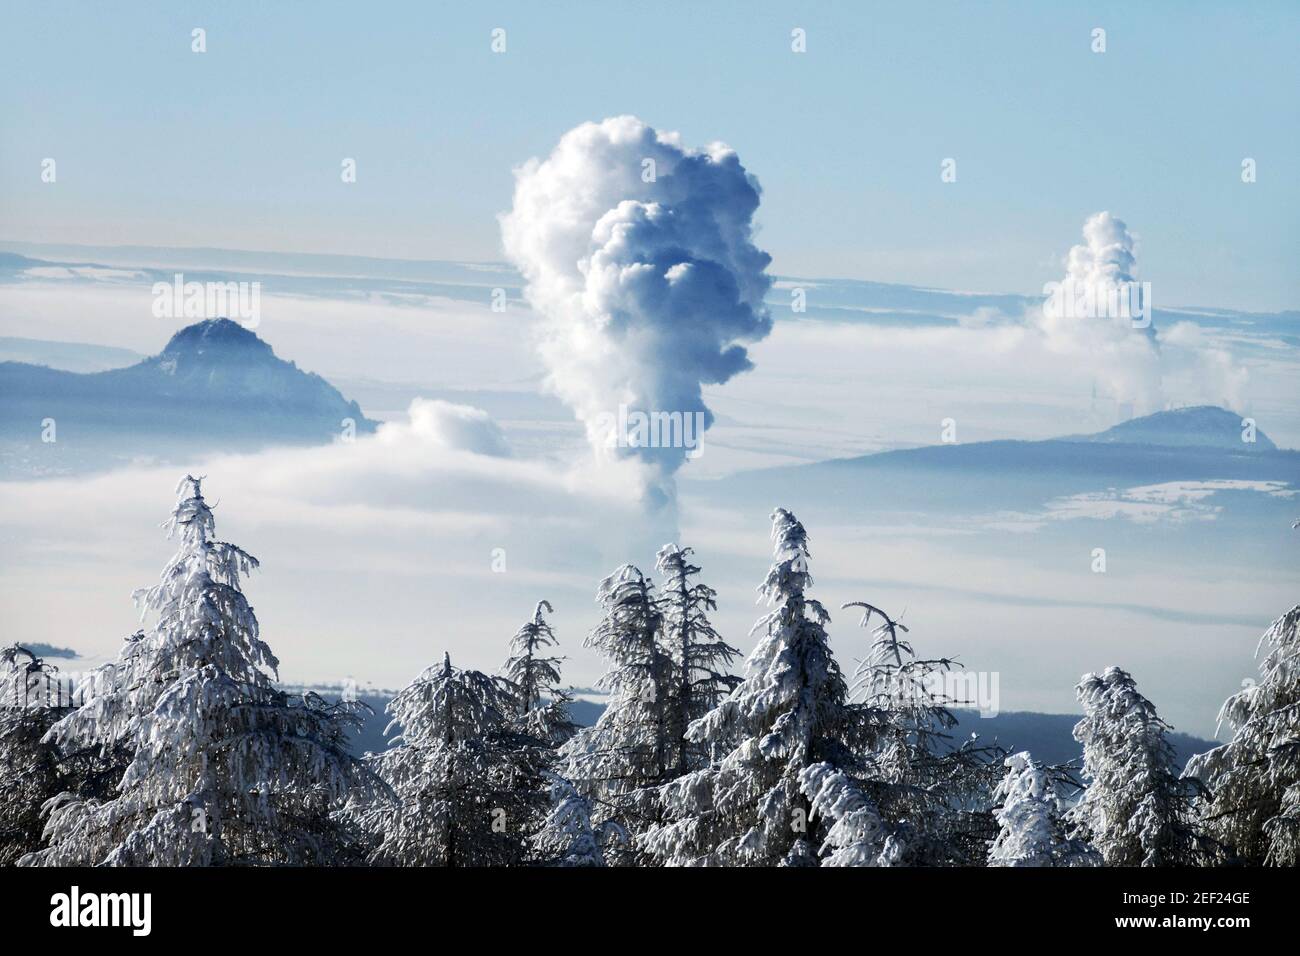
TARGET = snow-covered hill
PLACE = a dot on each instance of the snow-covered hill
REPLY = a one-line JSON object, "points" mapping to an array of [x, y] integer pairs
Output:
{"points": [[216, 385], [1203, 444], [1200, 426]]}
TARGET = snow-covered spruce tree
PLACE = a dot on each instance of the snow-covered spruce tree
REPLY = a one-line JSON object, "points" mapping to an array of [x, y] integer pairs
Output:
{"points": [[1255, 777], [628, 748], [1136, 810], [701, 658], [226, 768], [467, 791], [934, 799], [567, 836], [1030, 820], [30, 771], [542, 709], [853, 832], [33, 768], [788, 714]]}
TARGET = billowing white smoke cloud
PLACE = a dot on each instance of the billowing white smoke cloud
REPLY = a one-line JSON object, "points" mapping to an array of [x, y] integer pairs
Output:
{"points": [[1100, 315], [1106, 255], [639, 254]]}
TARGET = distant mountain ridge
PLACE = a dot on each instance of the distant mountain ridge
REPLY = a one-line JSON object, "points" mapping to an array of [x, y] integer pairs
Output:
{"points": [[1195, 444], [216, 385], [1204, 434], [1197, 426], [220, 359], [1049, 737], [216, 368]]}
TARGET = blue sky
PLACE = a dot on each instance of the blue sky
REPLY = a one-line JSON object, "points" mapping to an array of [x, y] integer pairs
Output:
{"points": [[241, 146]]}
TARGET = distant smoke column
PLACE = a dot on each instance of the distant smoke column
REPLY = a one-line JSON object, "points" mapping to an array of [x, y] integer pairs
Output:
{"points": [[1106, 254], [1124, 360], [638, 253]]}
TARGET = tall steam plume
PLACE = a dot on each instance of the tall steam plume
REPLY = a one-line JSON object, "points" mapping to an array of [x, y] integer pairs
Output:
{"points": [[1141, 368], [638, 253], [1125, 358]]}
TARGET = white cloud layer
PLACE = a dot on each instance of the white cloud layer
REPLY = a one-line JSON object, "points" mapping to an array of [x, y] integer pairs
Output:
{"points": [[376, 554]]}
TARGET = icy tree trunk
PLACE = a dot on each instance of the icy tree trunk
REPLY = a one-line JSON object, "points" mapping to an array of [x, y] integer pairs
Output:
{"points": [[684, 693]]}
